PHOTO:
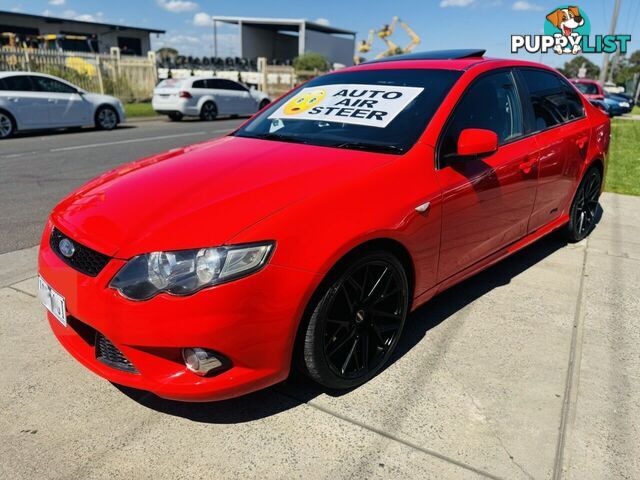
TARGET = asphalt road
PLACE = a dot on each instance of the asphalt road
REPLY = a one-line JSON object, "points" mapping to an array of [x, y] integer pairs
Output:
{"points": [[37, 170]]}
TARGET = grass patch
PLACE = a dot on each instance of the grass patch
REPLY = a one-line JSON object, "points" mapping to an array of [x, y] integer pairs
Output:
{"points": [[636, 110], [139, 110], [623, 170]]}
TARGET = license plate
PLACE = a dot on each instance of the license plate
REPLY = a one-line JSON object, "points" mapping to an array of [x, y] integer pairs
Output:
{"points": [[53, 301]]}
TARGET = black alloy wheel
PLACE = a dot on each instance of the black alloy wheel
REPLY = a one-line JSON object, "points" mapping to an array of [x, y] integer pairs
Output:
{"points": [[355, 326], [209, 111], [585, 206]]}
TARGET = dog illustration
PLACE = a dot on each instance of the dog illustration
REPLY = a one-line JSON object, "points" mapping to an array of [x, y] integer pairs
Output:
{"points": [[565, 20]]}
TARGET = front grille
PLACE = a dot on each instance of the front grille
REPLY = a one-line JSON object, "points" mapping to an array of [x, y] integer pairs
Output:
{"points": [[83, 259], [108, 353]]}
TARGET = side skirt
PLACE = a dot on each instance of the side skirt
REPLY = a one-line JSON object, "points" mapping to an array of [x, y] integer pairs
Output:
{"points": [[490, 260]]}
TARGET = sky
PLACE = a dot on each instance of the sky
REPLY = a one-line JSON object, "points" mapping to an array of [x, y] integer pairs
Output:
{"points": [[441, 24]]}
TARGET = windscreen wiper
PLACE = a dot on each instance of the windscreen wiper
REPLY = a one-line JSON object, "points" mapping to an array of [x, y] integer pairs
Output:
{"points": [[371, 147], [276, 137]]}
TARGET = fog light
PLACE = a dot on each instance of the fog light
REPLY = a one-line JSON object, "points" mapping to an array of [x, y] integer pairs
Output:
{"points": [[201, 361]]}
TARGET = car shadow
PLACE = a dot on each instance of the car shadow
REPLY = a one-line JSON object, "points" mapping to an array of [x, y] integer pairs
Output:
{"points": [[64, 131], [298, 389]]}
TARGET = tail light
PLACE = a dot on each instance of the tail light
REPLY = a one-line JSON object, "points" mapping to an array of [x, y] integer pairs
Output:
{"points": [[184, 94]]}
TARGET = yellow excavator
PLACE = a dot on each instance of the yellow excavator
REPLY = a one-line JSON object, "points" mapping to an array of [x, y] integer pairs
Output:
{"points": [[364, 47], [384, 33]]}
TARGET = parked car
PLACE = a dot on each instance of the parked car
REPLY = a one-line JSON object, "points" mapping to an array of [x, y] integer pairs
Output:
{"points": [[589, 88], [206, 97], [618, 105], [305, 237], [615, 104], [30, 101]]}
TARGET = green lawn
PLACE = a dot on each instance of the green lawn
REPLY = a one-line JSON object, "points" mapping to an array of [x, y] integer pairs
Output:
{"points": [[139, 110], [623, 173], [636, 110]]}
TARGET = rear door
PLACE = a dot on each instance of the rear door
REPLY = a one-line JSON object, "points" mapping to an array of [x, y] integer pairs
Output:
{"points": [[562, 132], [30, 107], [67, 107], [487, 200]]}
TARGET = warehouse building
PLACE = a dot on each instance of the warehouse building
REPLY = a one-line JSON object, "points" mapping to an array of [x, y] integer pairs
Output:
{"points": [[282, 39], [101, 36]]}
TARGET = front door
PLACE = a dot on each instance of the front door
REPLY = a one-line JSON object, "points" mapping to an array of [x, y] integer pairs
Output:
{"points": [[67, 107], [487, 201]]}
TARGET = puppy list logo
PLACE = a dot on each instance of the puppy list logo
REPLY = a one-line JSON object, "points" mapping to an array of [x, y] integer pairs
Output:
{"points": [[567, 30]]}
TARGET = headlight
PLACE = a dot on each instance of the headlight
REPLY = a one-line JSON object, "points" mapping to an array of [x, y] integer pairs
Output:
{"points": [[184, 272], [624, 104]]}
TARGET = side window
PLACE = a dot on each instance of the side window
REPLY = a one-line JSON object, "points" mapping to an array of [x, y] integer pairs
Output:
{"points": [[215, 84], [44, 84], [230, 85], [491, 103], [575, 108], [554, 102], [199, 84], [18, 83], [2, 85]]}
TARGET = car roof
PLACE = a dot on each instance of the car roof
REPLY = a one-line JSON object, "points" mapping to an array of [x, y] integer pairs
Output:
{"points": [[461, 60]]}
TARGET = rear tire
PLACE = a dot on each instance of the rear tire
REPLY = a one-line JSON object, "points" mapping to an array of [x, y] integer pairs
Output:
{"points": [[175, 117], [106, 118], [7, 125], [582, 215], [208, 112], [356, 321]]}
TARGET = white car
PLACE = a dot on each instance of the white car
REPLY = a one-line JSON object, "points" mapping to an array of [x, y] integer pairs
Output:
{"points": [[31, 101], [205, 97]]}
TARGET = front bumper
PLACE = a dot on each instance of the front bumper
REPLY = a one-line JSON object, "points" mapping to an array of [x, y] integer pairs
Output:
{"points": [[251, 321]]}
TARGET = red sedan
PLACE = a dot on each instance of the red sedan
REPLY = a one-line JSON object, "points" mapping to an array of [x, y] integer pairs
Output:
{"points": [[304, 238]]}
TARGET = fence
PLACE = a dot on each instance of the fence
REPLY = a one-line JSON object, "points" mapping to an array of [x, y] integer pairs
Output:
{"points": [[131, 79]]}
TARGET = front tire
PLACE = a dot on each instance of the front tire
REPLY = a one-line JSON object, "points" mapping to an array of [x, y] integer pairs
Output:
{"points": [[582, 216], [106, 118], [208, 112], [264, 103], [355, 325], [7, 125]]}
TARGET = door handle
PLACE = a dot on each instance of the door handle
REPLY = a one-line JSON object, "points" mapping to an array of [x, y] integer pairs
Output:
{"points": [[528, 164], [51, 100]]}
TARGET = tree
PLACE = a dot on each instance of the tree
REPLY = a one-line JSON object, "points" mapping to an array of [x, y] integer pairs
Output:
{"points": [[311, 61], [166, 53], [572, 67]]}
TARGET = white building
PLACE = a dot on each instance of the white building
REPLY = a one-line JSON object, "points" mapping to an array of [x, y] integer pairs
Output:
{"points": [[285, 38]]}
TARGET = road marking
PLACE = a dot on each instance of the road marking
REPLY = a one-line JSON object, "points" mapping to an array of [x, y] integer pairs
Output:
{"points": [[132, 140]]}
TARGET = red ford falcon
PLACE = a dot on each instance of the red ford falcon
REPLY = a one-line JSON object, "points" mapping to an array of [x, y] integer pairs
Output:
{"points": [[304, 238]]}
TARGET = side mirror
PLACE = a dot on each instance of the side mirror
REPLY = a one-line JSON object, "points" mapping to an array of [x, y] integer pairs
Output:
{"points": [[477, 141]]}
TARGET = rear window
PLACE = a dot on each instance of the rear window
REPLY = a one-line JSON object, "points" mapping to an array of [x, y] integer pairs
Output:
{"points": [[587, 88], [18, 83], [374, 110], [554, 101], [171, 83]]}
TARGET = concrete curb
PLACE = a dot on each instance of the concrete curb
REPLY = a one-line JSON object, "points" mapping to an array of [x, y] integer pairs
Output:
{"points": [[18, 265]]}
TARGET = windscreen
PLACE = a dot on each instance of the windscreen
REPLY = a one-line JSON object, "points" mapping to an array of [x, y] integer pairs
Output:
{"points": [[170, 83], [587, 88], [374, 110]]}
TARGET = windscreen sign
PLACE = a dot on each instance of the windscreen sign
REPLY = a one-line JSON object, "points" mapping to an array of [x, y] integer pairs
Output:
{"points": [[369, 105]]}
